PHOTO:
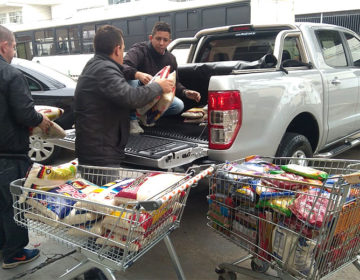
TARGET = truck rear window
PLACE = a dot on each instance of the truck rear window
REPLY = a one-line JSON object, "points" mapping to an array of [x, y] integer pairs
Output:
{"points": [[236, 46]]}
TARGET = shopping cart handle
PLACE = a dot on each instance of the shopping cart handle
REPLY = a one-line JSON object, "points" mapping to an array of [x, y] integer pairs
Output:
{"points": [[149, 205], [15, 186]]}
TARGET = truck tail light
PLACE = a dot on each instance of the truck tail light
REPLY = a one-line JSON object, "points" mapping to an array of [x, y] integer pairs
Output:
{"points": [[224, 118]]}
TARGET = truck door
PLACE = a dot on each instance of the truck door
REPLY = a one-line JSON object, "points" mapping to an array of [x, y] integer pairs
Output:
{"points": [[341, 84], [353, 45]]}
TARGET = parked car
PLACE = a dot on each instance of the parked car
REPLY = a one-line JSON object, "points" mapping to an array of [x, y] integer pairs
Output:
{"points": [[52, 88]]}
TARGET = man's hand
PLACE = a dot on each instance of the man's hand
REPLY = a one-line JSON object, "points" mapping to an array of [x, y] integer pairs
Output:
{"points": [[192, 94], [166, 85], [143, 77], [45, 124]]}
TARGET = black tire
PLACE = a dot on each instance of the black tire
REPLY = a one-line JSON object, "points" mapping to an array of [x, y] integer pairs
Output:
{"points": [[294, 145], [42, 151], [259, 268], [94, 274]]}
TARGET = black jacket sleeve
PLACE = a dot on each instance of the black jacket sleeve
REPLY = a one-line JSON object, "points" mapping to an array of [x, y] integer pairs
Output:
{"points": [[114, 87], [132, 60], [21, 101]]}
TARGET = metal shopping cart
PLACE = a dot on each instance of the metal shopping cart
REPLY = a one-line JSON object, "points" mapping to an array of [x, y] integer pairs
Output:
{"points": [[301, 228], [110, 237]]}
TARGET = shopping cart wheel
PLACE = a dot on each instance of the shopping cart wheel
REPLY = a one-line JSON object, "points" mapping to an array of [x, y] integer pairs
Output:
{"points": [[229, 275], [259, 266], [94, 274]]}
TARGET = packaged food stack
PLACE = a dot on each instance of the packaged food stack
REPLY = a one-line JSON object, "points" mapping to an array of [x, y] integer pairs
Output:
{"points": [[280, 211], [107, 214]]}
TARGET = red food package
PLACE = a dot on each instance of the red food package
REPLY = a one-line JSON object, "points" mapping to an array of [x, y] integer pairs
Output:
{"points": [[311, 207]]}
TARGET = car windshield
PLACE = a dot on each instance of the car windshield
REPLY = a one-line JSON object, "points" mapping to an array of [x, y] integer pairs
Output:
{"points": [[52, 75]]}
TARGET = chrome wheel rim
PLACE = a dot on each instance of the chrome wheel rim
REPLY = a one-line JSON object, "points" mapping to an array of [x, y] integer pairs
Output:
{"points": [[40, 150]]}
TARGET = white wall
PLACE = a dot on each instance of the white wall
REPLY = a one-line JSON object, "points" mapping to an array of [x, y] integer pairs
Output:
{"points": [[35, 13], [318, 6], [272, 11]]}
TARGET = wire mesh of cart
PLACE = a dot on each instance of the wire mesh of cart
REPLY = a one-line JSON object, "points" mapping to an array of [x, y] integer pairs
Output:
{"points": [[110, 237], [302, 228]]}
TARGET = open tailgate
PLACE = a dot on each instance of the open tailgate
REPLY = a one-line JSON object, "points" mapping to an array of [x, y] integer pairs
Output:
{"points": [[150, 151]]}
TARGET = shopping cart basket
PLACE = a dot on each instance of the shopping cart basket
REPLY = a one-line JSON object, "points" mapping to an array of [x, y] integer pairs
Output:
{"points": [[110, 237], [302, 228]]}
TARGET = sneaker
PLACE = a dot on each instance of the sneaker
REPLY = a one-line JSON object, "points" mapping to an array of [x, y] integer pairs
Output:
{"points": [[135, 128], [24, 256]]}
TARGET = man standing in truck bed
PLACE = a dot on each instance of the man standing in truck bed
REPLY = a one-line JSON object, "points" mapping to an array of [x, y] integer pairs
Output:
{"points": [[145, 59]]}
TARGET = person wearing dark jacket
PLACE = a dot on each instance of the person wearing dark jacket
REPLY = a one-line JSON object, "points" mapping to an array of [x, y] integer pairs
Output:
{"points": [[145, 59], [17, 115], [103, 100]]}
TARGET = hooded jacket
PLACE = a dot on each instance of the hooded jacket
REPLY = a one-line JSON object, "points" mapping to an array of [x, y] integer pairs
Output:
{"points": [[17, 111], [103, 100]]}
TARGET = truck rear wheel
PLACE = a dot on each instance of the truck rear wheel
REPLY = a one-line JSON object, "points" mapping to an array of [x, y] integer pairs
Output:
{"points": [[294, 145]]}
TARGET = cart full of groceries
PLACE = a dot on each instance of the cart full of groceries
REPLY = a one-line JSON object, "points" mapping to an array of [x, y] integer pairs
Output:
{"points": [[111, 215], [301, 217]]}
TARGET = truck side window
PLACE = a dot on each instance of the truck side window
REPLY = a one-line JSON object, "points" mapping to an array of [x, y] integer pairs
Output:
{"points": [[354, 47], [332, 48]]}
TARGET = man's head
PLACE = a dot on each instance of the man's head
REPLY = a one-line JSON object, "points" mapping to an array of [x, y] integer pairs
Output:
{"points": [[109, 40], [7, 44], [160, 37]]}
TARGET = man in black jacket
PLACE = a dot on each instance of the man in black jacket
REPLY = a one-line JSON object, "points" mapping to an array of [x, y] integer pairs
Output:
{"points": [[17, 114], [145, 59], [103, 100]]}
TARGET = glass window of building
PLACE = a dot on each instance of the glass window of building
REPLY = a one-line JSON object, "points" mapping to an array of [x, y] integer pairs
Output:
{"points": [[15, 17]]}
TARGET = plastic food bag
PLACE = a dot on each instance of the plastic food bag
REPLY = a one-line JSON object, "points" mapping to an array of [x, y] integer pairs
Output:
{"points": [[311, 207], [147, 186], [151, 112], [55, 131], [305, 171]]}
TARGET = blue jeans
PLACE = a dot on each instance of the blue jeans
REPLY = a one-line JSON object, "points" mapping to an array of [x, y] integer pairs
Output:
{"points": [[175, 108]]}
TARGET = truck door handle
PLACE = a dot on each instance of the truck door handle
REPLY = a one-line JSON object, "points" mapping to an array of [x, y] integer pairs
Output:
{"points": [[336, 81]]}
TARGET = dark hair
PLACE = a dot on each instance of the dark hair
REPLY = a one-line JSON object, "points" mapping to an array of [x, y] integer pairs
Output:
{"points": [[6, 35], [107, 37], [161, 26]]}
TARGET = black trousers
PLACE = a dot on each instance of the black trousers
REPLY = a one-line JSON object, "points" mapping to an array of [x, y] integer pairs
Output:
{"points": [[13, 238]]}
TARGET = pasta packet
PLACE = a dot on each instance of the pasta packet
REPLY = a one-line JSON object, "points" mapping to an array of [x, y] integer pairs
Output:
{"points": [[305, 171]]}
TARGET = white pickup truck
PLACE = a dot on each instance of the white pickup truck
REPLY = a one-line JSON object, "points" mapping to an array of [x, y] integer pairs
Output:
{"points": [[272, 90]]}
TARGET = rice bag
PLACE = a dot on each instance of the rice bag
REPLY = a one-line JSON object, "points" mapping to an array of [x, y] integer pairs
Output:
{"points": [[104, 195], [53, 206], [151, 112], [147, 186], [51, 112], [305, 171], [46, 177], [55, 131]]}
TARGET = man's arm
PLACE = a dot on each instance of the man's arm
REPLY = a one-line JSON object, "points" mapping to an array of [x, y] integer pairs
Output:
{"points": [[22, 103], [132, 60]]}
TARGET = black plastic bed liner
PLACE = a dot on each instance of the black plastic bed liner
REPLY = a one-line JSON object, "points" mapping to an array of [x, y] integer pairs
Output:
{"points": [[167, 145]]}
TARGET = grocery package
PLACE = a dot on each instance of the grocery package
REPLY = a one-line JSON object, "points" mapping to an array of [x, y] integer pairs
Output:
{"points": [[302, 217], [147, 186], [55, 131], [51, 112], [151, 112], [195, 115], [305, 171], [46, 177], [310, 207]]}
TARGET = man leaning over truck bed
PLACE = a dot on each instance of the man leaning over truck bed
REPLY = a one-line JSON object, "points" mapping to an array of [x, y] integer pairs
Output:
{"points": [[145, 59], [103, 100]]}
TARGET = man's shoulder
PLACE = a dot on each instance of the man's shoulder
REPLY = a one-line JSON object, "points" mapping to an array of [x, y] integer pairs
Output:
{"points": [[139, 45], [9, 71]]}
